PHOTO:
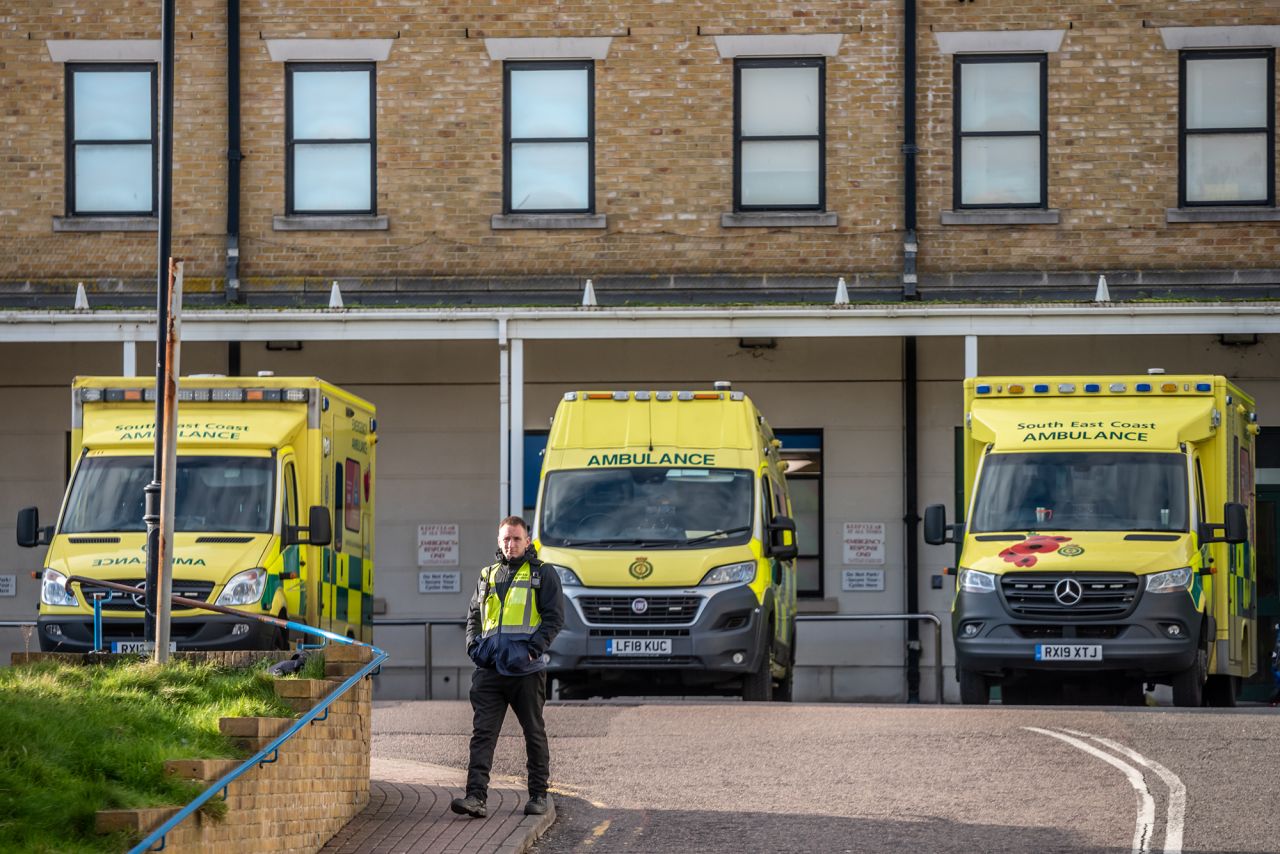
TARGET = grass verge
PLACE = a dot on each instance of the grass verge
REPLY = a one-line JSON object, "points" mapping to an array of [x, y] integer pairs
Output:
{"points": [[75, 739]]}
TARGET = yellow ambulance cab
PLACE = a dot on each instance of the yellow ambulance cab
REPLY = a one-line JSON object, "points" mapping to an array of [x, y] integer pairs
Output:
{"points": [[667, 516], [273, 512], [1107, 539]]}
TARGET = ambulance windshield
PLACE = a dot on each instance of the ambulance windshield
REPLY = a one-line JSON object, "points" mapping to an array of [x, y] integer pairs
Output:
{"points": [[647, 507], [213, 494], [1082, 491]]}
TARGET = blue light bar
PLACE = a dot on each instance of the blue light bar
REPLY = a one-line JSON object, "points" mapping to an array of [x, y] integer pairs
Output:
{"points": [[1042, 388], [1092, 388], [1203, 387], [984, 389], [1142, 387]]}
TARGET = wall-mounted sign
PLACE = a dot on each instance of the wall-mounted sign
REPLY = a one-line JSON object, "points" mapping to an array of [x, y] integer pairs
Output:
{"points": [[863, 543], [862, 580], [8, 585], [438, 582], [438, 545]]}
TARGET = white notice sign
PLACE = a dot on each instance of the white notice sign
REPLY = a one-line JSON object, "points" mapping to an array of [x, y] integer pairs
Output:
{"points": [[862, 580], [8, 585], [438, 545], [863, 543], [438, 582]]}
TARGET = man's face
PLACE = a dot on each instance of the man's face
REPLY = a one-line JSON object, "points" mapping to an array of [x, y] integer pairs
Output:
{"points": [[513, 540]]}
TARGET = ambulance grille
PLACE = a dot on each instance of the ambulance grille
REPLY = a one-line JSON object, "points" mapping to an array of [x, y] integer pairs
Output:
{"points": [[224, 539], [198, 590], [617, 610], [1031, 594]]}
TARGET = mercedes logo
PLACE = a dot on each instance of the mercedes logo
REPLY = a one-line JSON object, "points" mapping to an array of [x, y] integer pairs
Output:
{"points": [[138, 599], [639, 606], [1068, 592]]}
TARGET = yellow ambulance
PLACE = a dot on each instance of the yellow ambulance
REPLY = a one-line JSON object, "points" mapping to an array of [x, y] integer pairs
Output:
{"points": [[1107, 543], [667, 516], [273, 512]]}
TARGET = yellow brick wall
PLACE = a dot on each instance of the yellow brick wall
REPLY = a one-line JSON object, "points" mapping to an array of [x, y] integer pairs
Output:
{"points": [[663, 129]]}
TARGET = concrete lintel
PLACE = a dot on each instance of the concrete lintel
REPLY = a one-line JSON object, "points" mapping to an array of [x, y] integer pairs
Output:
{"points": [[104, 50], [787, 44], [1000, 41], [589, 47], [778, 219], [329, 50], [1180, 38], [354, 222]]}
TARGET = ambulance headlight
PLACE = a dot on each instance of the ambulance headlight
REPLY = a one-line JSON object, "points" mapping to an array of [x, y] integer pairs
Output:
{"points": [[1170, 582], [733, 573], [973, 581], [244, 588], [568, 578], [54, 590]]}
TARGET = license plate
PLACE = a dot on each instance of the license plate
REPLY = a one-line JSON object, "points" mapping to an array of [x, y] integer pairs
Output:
{"points": [[139, 646], [1068, 652], [638, 646]]}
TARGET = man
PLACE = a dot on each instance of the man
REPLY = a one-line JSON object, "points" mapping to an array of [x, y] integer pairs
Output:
{"points": [[515, 613]]}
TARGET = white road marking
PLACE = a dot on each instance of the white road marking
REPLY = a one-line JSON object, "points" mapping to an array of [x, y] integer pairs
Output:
{"points": [[1146, 820], [1177, 811]]}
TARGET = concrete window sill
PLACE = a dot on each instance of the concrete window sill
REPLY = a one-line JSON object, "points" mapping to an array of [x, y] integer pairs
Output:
{"points": [[779, 219], [1241, 213], [502, 222], [105, 223], [355, 222], [1000, 217]]}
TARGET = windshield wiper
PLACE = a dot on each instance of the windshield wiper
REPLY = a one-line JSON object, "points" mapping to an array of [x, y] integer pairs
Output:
{"points": [[624, 541], [723, 533]]}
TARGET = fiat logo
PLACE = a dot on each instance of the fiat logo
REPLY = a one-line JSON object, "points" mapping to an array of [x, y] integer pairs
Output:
{"points": [[639, 606]]}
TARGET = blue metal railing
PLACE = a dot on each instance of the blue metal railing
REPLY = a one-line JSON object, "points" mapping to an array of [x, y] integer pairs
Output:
{"points": [[271, 752]]}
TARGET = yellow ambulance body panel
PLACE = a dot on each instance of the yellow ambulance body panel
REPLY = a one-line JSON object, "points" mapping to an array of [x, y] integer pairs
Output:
{"points": [[256, 456], [1108, 533], [668, 518]]}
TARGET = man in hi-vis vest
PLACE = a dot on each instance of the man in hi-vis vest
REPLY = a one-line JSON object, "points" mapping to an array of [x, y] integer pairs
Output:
{"points": [[515, 613]]}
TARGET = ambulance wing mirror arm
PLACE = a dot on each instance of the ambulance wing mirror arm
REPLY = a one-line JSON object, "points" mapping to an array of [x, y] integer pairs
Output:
{"points": [[781, 546], [29, 532], [936, 529], [318, 531], [1234, 528]]}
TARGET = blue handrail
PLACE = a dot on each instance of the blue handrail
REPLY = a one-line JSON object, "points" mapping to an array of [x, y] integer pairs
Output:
{"points": [[272, 749]]}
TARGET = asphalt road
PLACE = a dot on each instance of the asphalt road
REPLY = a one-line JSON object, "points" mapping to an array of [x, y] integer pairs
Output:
{"points": [[727, 776]]}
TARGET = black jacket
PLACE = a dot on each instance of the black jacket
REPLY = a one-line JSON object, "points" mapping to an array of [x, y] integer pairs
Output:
{"points": [[514, 655]]}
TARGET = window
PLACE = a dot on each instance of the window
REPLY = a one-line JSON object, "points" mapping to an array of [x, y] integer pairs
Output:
{"points": [[111, 139], [330, 132], [779, 131], [351, 504], [1000, 134], [802, 451], [549, 145], [1226, 120]]}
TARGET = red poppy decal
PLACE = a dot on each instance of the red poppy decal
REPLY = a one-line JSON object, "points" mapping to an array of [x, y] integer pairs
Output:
{"points": [[1025, 552]]}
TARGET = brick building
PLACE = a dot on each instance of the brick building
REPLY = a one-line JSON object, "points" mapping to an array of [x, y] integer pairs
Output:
{"points": [[460, 171]]}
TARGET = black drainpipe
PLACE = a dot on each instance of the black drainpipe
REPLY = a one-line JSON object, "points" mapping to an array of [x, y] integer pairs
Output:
{"points": [[233, 173], [911, 518], [910, 246]]}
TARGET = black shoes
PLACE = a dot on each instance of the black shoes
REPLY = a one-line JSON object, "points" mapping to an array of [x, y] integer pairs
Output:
{"points": [[472, 806], [537, 805]]}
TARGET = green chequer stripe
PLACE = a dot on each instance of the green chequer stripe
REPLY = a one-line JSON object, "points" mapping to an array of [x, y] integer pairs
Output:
{"points": [[355, 573]]}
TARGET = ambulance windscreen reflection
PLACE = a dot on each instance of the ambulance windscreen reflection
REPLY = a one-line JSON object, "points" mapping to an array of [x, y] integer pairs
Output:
{"points": [[1081, 491], [653, 506], [212, 494]]}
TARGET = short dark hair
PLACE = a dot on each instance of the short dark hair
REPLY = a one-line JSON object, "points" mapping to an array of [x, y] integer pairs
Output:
{"points": [[514, 520]]}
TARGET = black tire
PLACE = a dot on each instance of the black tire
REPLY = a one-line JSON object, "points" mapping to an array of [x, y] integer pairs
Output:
{"points": [[1221, 691], [974, 688], [1188, 686], [757, 686], [1015, 695], [783, 690]]}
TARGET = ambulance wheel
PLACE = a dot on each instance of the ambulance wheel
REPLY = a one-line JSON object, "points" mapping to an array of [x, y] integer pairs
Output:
{"points": [[974, 690], [1221, 691], [757, 686], [1188, 686]]}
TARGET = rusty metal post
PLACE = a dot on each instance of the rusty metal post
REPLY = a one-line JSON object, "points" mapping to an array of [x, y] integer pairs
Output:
{"points": [[169, 466]]}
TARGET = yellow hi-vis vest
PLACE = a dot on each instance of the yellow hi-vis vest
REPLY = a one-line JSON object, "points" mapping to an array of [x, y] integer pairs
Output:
{"points": [[519, 613]]}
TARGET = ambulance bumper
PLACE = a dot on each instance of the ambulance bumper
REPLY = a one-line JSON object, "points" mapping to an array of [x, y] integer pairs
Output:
{"points": [[1158, 637], [75, 634], [723, 630]]}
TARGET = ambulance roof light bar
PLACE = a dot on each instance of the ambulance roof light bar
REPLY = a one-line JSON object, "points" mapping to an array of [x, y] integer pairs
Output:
{"points": [[197, 395]]}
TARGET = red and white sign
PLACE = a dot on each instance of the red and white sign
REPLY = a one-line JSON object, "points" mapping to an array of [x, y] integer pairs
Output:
{"points": [[863, 543], [438, 545]]}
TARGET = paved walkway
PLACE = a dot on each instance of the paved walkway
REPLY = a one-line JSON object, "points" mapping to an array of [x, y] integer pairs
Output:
{"points": [[408, 813]]}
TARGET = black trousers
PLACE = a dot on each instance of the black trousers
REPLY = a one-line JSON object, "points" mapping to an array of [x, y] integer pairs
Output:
{"points": [[491, 695]]}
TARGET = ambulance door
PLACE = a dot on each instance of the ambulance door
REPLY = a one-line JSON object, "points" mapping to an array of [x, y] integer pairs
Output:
{"points": [[332, 553], [1264, 683], [293, 575]]}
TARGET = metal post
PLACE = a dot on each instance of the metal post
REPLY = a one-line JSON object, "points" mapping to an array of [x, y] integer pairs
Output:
{"points": [[516, 426], [164, 183], [97, 622], [911, 620], [426, 667], [504, 420], [169, 474]]}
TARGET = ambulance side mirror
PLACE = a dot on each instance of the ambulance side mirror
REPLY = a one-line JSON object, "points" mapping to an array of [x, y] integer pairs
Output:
{"points": [[318, 531], [781, 546], [936, 529], [29, 532], [1234, 528]]}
